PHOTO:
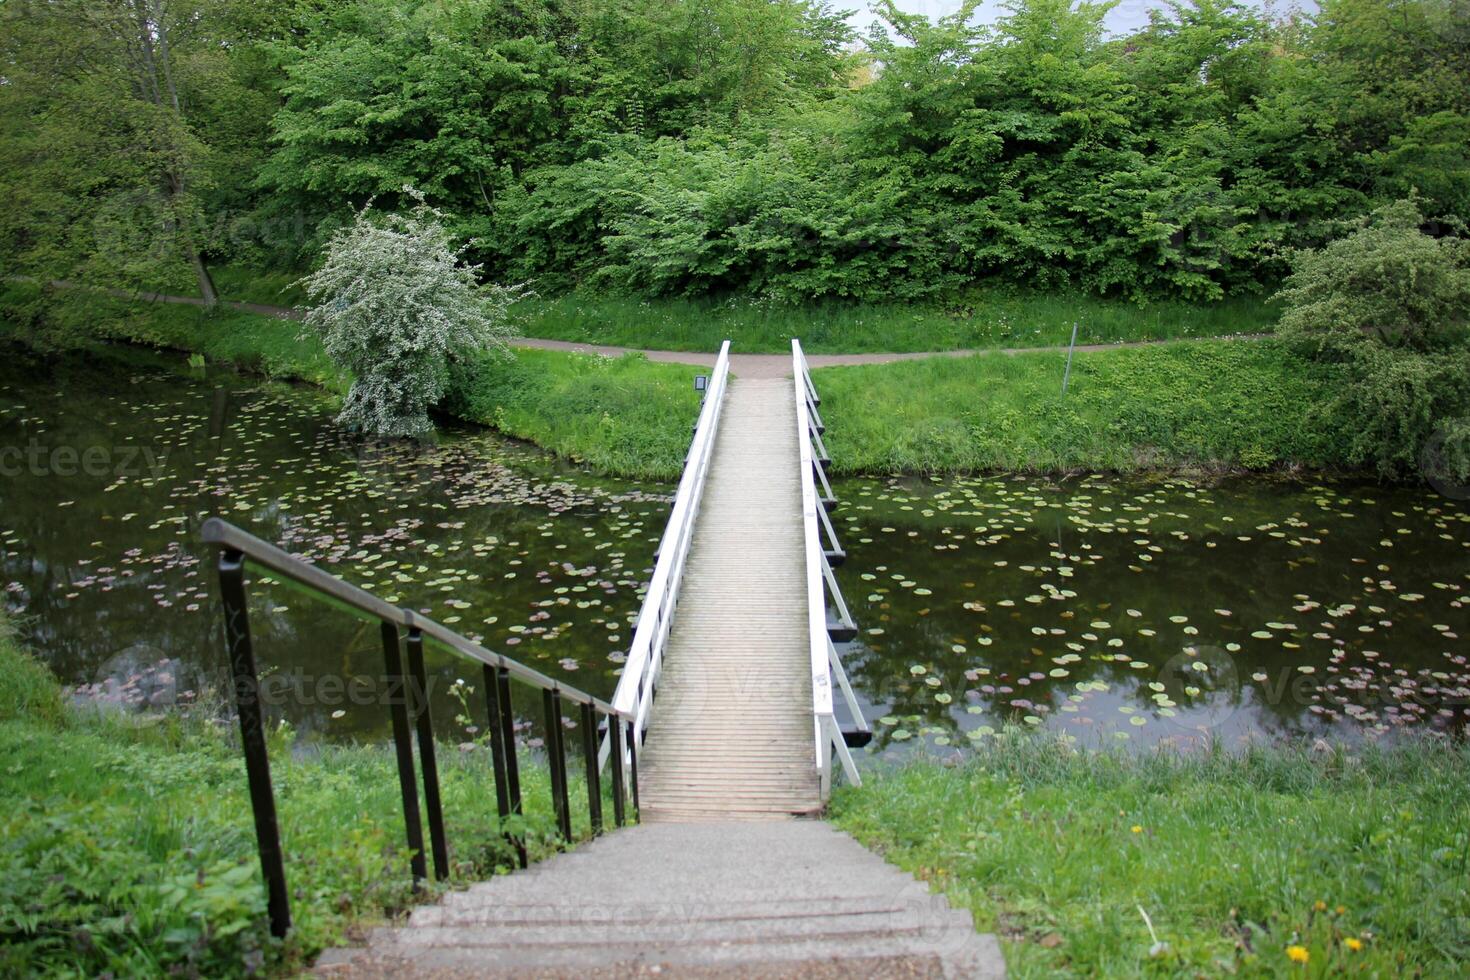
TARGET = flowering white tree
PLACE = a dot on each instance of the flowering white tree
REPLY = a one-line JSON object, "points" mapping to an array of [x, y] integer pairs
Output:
{"points": [[394, 304]]}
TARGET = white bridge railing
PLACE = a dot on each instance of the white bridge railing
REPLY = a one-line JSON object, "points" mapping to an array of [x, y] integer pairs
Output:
{"points": [[821, 583], [639, 680]]}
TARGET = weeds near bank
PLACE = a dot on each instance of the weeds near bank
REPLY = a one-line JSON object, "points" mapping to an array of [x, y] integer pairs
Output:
{"points": [[1235, 857], [127, 843]]}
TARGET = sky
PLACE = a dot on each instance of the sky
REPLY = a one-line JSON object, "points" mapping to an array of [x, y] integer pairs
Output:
{"points": [[1127, 16]]}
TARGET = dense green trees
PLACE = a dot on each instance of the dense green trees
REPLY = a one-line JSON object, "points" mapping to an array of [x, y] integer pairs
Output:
{"points": [[730, 146]]}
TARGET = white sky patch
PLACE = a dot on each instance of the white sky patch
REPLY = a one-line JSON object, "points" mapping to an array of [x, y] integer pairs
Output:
{"points": [[1126, 17]]}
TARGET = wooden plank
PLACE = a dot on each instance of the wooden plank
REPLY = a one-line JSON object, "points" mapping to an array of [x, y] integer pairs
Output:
{"points": [[731, 730]]}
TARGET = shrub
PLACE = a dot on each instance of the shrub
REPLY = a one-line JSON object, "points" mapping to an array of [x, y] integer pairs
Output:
{"points": [[1391, 303], [1386, 281], [394, 305]]}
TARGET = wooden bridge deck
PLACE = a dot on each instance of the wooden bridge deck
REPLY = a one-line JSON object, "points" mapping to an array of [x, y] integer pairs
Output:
{"points": [[732, 731]]}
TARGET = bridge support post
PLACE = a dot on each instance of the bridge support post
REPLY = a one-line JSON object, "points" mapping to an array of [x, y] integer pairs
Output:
{"points": [[633, 767], [418, 696], [246, 688]]}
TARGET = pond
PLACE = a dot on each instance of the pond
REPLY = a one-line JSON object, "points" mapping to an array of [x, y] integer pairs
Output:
{"points": [[112, 465], [1147, 612], [1113, 611]]}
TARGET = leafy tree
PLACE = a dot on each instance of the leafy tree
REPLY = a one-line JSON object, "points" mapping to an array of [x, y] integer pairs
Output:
{"points": [[120, 120], [394, 305]]}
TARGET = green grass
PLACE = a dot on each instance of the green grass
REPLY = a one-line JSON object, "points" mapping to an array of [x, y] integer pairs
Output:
{"points": [[128, 847], [1233, 857], [1207, 404], [245, 285], [1196, 404], [981, 317], [984, 318], [27, 689], [624, 416]]}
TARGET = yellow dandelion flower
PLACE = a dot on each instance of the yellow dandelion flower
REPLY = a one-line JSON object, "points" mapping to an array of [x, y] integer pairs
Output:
{"points": [[1353, 943], [1320, 905], [1137, 829], [1341, 910], [1298, 954]]}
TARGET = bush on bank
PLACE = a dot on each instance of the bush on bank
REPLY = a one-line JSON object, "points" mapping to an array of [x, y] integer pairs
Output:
{"points": [[626, 416]]}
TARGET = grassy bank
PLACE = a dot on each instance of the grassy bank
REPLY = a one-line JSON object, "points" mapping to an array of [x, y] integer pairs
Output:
{"points": [[127, 847], [1206, 404], [1220, 403], [1357, 858], [624, 416], [979, 319]]}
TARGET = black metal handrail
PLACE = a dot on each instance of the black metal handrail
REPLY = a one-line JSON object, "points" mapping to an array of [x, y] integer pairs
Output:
{"points": [[407, 698]]}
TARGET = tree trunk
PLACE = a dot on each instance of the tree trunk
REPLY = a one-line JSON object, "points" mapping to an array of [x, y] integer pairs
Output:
{"points": [[206, 281]]}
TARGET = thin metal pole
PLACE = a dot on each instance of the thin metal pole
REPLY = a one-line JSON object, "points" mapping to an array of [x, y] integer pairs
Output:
{"points": [[615, 756], [556, 752], [507, 737], [252, 739], [497, 744], [633, 769], [397, 696], [594, 780], [419, 699], [1067, 375]]}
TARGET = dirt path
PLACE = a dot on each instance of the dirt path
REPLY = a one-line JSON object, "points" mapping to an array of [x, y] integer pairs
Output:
{"points": [[745, 365]]}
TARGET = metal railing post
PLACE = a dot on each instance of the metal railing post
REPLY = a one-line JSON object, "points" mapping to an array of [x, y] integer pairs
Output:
{"points": [[633, 770], [615, 759], [252, 738], [497, 744], [506, 737], [418, 696], [556, 752], [397, 695], [406, 694], [589, 754]]}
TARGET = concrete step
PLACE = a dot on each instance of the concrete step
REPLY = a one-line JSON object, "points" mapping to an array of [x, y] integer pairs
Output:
{"points": [[665, 928], [707, 910], [955, 953]]}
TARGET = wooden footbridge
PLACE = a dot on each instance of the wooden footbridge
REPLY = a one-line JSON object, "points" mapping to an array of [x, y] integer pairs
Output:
{"points": [[730, 677], [722, 729]]}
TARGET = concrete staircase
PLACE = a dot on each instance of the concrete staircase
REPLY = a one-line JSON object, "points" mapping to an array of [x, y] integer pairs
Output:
{"points": [[772, 898]]}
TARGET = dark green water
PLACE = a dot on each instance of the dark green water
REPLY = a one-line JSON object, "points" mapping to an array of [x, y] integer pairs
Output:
{"points": [[111, 470], [1109, 610], [1148, 612]]}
